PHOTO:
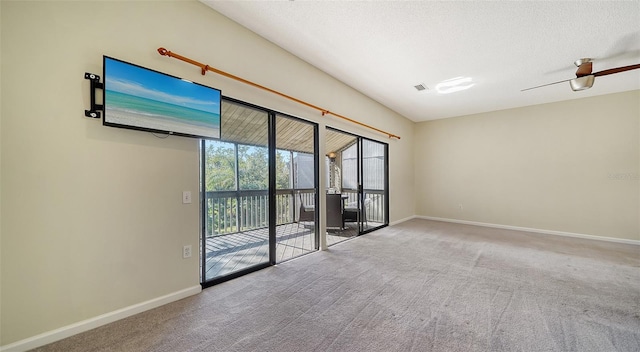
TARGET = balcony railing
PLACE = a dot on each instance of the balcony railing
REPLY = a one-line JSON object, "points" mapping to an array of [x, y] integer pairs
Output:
{"points": [[230, 212]]}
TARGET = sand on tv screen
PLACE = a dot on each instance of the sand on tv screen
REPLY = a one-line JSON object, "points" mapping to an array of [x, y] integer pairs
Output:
{"points": [[143, 99]]}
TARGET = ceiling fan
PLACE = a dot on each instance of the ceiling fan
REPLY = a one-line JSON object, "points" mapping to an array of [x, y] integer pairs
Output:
{"points": [[585, 78]]}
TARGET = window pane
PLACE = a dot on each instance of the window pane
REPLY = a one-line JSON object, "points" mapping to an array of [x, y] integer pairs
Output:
{"points": [[372, 165], [296, 229], [373, 180], [253, 168], [304, 170], [220, 166], [236, 221], [283, 169], [350, 167]]}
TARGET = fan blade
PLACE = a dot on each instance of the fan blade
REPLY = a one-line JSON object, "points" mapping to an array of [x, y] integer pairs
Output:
{"points": [[548, 84], [616, 70], [584, 69]]}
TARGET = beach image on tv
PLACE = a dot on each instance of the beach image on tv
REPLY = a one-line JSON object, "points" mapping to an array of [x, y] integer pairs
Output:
{"points": [[135, 96]]}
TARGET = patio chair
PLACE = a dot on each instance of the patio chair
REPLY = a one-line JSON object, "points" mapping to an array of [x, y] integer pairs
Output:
{"points": [[351, 211], [307, 213]]}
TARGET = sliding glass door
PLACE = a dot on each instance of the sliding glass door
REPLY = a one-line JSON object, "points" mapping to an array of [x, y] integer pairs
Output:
{"points": [[259, 191], [357, 186], [374, 166], [342, 186], [235, 205], [296, 188]]}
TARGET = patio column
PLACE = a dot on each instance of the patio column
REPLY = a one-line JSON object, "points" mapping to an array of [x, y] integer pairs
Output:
{"points": [[321, 207]]}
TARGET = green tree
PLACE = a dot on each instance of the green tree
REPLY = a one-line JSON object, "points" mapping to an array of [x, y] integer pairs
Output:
{"points": [[253, 167], [220, 167], [253, 174], [283, 169]]}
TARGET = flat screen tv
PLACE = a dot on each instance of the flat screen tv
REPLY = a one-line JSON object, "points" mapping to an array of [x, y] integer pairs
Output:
{"points": [[139, 98]]}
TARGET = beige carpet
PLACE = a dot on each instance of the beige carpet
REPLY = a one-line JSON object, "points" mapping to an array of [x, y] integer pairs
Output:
{"points": [[418, 286]]}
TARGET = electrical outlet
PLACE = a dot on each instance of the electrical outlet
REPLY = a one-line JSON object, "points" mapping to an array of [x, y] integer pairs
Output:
{"points": [[186, 251], [186, 197]]}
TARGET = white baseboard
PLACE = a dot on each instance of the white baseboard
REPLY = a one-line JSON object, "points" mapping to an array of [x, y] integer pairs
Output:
{"points": [[527, 229], [402, 220], [92, 323]]}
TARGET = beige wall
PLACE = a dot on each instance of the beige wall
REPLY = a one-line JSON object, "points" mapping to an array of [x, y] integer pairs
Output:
{"points": [[92, 219], [570, 166]]}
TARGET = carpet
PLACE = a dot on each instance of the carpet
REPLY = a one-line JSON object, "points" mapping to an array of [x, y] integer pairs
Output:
{"points": [[417, 286]]}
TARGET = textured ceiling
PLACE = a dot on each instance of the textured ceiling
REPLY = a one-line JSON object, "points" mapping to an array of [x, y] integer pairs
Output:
{"points": [[384, 48]]}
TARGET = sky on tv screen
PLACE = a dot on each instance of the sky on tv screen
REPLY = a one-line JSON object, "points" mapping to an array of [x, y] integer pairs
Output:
{"points": [[129, 79]]}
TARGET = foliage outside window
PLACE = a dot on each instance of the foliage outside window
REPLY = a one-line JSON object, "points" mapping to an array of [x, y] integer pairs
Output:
{"points": [[252, 175], [253, 167], [220, 166]]}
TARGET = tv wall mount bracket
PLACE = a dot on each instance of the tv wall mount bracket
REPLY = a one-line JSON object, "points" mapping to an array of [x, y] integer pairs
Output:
{"points": [[95, 84]]}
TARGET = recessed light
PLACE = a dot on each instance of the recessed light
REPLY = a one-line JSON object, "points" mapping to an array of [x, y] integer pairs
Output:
{"points": [[454, 85]]}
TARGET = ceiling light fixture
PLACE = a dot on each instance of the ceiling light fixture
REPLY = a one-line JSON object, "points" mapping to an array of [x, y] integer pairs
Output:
{"points": [[454, 85], [582, 83]]}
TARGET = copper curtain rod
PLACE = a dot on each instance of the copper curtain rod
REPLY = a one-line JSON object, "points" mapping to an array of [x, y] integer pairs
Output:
{"points": [[204, 68]]}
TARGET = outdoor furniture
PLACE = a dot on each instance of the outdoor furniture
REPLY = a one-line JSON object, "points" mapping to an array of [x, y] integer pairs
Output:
{"points": [[307, 212], [351, 211], [334, 211], [351, 214]]}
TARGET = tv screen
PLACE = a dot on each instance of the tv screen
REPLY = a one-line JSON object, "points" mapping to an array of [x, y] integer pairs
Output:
{"points": [[143, 99]]}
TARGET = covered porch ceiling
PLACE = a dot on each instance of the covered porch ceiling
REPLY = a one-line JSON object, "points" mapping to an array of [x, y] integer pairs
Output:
{"points": [[244, 125]]}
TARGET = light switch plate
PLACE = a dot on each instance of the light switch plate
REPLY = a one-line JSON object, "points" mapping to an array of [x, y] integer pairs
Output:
{"points": [[186, 197]]}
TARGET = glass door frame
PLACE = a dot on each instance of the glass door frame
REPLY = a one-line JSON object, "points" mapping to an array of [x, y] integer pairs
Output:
{"points": [[272, 191], [273, 119], [360, 189]]}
